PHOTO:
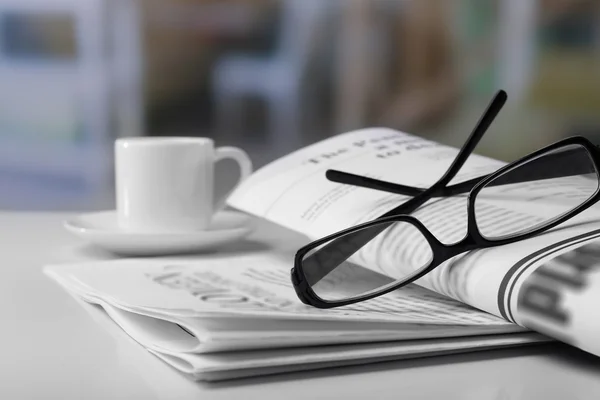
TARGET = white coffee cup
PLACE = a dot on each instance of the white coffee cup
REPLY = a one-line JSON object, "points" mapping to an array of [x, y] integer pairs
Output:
{"points": [[166, 184]]}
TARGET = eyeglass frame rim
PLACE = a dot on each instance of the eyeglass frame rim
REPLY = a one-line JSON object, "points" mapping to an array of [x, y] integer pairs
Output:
{"points": [[472, 240]]}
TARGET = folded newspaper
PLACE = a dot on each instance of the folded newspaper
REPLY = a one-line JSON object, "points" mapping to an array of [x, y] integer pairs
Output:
{"points": [[216, 317]]}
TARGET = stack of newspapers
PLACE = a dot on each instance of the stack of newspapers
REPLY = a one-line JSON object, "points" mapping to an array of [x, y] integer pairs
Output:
{"points": [[220, 316]]}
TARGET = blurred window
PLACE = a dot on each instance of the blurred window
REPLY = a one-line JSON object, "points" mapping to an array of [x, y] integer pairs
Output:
{"points": [[45, 36]]}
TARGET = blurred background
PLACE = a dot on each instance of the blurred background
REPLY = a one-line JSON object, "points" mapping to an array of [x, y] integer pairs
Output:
{"points": [[271, 76]]}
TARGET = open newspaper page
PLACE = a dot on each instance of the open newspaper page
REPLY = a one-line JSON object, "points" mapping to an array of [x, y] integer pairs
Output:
{"points": [[524, 282]]}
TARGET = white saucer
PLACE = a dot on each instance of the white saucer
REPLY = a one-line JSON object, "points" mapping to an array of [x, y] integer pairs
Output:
{"points": [[102, 230]]}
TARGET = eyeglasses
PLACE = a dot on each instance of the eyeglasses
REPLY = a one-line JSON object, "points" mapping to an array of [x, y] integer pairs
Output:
{"points": [[520, 200]]}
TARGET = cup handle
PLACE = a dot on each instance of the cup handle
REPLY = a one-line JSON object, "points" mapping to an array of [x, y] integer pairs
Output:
{"points": [[242, 159]]}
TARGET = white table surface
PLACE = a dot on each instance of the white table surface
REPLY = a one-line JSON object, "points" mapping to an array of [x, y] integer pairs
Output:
{"points": [[51, 348]]}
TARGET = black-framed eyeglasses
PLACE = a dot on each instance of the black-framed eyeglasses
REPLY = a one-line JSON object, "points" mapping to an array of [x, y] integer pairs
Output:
{"points": [[559, 181]]}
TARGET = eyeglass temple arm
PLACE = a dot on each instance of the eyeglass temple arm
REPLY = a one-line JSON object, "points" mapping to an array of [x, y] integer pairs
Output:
{"points": [[553, 165], [376, 184], [370, 183], [482, 126]]}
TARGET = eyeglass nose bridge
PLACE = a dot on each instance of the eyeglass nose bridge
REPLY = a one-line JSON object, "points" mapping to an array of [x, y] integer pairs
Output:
{"points": [[447, 251]]}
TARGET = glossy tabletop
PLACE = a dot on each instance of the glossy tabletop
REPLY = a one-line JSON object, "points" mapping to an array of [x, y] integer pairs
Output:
{"points": [[51, 348]]}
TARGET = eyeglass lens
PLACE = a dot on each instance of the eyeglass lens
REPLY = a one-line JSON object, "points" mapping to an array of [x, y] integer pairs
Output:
{"points": [[401, 251], [536, 192]]}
